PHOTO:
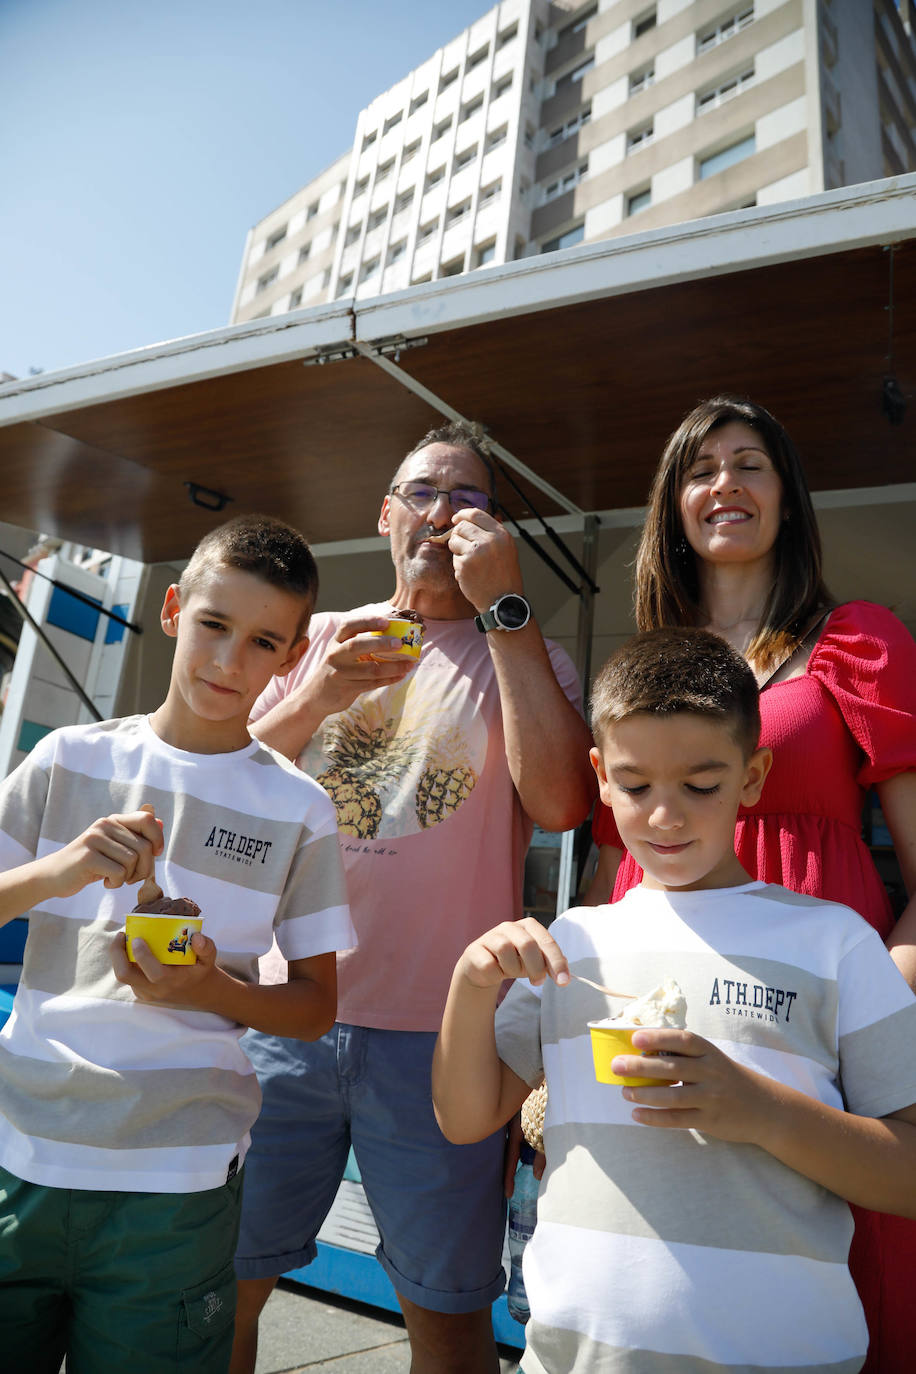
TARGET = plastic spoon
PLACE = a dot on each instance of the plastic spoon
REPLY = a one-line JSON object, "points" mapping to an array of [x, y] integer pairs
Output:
{"points": [[599, 987], [150, 891]]}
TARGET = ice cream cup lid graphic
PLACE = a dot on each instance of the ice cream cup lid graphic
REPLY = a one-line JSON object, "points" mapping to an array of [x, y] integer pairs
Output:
{"points": [[407, 626], [168, 936]]}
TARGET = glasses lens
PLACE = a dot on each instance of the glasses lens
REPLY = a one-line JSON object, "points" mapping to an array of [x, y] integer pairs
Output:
{"points": [[419, 494], [468, 496]]}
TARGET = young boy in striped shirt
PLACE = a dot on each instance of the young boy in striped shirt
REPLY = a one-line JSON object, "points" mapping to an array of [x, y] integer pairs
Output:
{"points": [[125, 1097], [701, 1224]]}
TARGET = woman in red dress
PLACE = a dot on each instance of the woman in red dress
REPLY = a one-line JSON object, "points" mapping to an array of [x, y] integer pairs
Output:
{"points": [[731, 544]]}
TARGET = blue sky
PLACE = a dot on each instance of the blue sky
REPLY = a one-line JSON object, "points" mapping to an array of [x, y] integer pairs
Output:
{"points": [[141, 139]]}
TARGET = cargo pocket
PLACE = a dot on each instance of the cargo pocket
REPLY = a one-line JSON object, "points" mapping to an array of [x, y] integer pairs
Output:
{"points": [[207, 1319]]}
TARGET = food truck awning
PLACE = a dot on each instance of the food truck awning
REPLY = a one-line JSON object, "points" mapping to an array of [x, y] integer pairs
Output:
{"points": [[578, 363]]}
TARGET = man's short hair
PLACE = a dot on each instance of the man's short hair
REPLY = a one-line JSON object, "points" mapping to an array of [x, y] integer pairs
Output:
{"points": [[258, 544], [458, 434], [669, 671]]}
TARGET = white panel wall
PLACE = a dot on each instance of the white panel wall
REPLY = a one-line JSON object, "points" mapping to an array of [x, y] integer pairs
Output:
{"points": [[671, 181], [782, 123], [787, 188], [679, 55], [778, 56], [675, 116]]}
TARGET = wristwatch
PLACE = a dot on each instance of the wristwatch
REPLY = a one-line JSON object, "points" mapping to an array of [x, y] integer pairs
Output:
{"points": [[509, 612]]}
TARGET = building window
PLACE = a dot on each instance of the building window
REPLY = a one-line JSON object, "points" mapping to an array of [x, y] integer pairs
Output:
{"points": [[564, 240], [471, 108], [496, 137], [639, 200], [644, 23], [486, 253], [434, 177], [725, 28], [442, 129], [345, 284], [465, 158], [304, 252], [640, 137], [404, 200], [579, 23], [506, 36], [642, 80], [418, 102], [426, 231], [369, 269], [378, 217], [457, 212], [353, 235], [369, 139], [453, 268], [312, 210], [529, 136], [448, 79], [360, 187], [575, 75], [295, 298], [410, 150], [491, 192], [726, 157], [501, 86], [392, 122], [564, 131], [567, 182], [384, 170], [276, 237], [326, 279], [709, 100], [477, 57], [268, 278], [396, 251]]}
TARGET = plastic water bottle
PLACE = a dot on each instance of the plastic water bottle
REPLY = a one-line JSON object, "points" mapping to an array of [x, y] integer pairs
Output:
{"points": [[523, 1205]]}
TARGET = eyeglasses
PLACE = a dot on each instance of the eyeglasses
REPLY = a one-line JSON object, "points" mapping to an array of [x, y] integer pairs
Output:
{"points": [[423, 495]]}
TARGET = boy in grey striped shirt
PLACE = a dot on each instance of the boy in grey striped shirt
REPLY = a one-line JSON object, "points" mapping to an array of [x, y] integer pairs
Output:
{"points": [[125, 1096], [700, 1224]]}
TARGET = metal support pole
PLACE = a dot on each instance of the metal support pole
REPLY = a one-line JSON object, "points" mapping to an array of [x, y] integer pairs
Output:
{"points": [[569, 844]]}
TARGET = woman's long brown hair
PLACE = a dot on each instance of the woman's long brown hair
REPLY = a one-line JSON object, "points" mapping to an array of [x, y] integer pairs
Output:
{"points": [[667, 588]]}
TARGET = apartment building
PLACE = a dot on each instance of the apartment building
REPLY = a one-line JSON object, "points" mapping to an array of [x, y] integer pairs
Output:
{"points": [[543, 125]]}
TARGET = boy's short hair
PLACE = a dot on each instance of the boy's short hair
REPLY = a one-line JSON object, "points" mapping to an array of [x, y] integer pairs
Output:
{"points": [[664, 672], [258, 544]]}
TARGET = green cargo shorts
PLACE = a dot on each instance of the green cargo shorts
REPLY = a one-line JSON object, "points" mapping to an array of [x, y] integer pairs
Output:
{"points": [[138, 1282]]}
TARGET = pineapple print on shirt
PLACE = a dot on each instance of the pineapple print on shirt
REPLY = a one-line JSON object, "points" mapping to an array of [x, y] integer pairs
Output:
{"points": [[393, 766]]}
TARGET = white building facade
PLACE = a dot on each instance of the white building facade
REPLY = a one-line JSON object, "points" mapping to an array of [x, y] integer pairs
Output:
{"points": [[543, 125]]}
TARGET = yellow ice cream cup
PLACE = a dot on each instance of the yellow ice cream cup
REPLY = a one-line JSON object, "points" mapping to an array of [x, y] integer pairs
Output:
{"points": [[169, 937], [409, 632], [610, 1039]]}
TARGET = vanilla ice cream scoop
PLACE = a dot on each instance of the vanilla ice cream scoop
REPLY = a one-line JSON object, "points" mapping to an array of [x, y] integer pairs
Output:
{"points": [[665, 1005]]}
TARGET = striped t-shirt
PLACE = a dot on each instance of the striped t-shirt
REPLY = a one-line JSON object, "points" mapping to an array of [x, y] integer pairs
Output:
{"points": [[97, 1089], [670, 1252]]}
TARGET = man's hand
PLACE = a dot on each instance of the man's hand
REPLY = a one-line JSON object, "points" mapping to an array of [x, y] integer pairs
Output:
{"points": [[355, 662], [712, 1093], [167, 985], [514, 949], [116, 849], [485, 557]]}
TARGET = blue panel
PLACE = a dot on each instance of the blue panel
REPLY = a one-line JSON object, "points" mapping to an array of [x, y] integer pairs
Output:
{"points": [[69, 613], [30, 732], [115, 632], [354, 1274], [6, 1002], [12, 940]]}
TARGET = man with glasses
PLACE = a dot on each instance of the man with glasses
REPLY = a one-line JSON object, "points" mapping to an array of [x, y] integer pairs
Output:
{"points": [[437, 769]]}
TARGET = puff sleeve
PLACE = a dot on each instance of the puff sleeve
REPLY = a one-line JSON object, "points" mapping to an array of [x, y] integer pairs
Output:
{"points": [[866, 660]]}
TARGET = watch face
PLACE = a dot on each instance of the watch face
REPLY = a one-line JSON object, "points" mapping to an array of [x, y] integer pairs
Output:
{"points": [[512, 612]]}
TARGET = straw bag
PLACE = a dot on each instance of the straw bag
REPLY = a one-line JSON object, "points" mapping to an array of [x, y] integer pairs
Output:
{"points": [[533, 1108]]}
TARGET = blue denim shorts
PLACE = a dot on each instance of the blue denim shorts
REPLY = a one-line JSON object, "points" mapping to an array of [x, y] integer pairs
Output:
{"points": [[439, 1208]]}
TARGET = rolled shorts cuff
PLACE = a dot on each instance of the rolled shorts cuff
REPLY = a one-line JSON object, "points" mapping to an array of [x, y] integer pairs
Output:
{"points": [[437, 1300], [273, 1266]]}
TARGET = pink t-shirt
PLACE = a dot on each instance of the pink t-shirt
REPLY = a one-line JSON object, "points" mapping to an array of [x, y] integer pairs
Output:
{"points": [[432, 832]]}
